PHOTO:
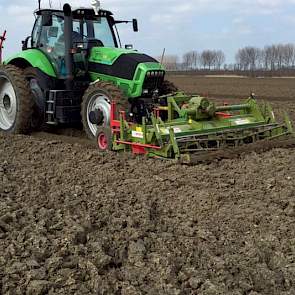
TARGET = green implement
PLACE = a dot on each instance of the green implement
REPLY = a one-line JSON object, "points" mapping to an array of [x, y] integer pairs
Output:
{"points": [[187, 125]]}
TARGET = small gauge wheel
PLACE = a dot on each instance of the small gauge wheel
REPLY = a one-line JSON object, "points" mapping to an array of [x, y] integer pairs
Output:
{"points": [[104, 138]]}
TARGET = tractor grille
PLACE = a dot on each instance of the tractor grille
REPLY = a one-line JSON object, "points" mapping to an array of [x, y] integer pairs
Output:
{"points": [[153, 80]]}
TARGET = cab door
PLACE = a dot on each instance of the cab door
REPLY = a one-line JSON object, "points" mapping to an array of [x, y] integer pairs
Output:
{"points": [[49, 38]]}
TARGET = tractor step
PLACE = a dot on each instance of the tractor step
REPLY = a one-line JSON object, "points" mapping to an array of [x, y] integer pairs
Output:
{"points": [[63, 107], [50, 111]]}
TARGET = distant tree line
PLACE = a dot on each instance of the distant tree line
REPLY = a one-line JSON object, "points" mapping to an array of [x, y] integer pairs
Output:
{"points": [[274, 57], [270, 58], [208, 59], [193, 60]]}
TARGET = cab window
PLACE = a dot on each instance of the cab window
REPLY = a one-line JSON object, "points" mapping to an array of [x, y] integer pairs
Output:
{"points": [[52, 43], [103, 32], [36, 32]]}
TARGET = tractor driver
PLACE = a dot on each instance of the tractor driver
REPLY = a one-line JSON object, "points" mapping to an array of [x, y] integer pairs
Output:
{"points": [[53, 42]]}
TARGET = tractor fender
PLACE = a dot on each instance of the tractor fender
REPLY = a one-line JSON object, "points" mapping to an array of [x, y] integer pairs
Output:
{"points": [[32, 58]]}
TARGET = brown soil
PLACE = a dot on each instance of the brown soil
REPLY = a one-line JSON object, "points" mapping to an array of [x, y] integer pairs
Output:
{"points": [[237, 152], [77, 221], [270, 88]]}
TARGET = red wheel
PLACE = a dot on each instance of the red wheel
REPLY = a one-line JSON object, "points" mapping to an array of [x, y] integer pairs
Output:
{"points": [[102, 141], [104, 138]]}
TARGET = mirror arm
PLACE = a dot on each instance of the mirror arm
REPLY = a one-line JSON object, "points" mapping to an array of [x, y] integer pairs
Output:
{"points": [[122, 22]]}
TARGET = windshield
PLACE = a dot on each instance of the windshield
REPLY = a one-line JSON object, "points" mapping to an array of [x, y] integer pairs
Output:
{"points": [[98, 29], [103, 32], [51, 40]]}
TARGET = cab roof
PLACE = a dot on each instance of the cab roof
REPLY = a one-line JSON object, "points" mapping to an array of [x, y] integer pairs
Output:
{"points": [[77, 12]]}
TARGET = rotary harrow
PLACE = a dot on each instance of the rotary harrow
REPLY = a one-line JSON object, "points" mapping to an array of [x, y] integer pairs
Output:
{"points": [[187, 127]]}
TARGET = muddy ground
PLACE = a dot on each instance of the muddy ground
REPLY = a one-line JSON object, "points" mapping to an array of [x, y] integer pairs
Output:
{"points": [[75, 221]]}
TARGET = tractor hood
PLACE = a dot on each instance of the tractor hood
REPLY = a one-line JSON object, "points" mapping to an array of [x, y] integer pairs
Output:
{"points": [[108, 55], [118, 62]]}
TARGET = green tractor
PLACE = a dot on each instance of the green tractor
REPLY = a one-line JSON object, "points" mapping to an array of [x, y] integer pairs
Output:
{"points": [[70, 70]]}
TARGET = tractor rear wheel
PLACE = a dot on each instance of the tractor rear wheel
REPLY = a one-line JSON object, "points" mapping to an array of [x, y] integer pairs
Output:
{"points": [[104, 138], [38, 97], [96, 106], [16, 103]]}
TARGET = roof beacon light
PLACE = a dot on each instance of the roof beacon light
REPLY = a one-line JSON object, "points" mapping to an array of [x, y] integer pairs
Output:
{"points": [[96, 6]]}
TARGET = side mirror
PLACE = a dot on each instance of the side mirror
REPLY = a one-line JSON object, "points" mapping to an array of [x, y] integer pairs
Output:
{"points": [[25, 43], [135, 25], [129, 46], [46, 20]]}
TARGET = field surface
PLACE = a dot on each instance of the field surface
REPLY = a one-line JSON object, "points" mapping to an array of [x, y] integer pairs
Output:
{"points": [[76, 221], [239, 87]]}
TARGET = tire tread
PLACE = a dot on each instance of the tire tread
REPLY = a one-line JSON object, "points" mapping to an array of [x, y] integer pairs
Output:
{"points": [[114, 93], [25, 103]]}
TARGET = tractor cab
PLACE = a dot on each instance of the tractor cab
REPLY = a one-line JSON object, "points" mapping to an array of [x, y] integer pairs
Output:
{"points": [[88, 30]]}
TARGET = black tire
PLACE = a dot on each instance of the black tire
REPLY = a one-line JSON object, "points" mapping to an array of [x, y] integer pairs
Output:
{"points": [[111, 93], [23, 101], [37, 120], [168, 88], [106, 132]]}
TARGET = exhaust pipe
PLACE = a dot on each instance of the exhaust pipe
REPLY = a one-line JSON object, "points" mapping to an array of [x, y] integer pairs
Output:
{"points": [[68, 35], [2, 39]]}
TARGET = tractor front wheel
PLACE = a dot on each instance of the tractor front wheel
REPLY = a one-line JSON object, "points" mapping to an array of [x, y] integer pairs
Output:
{"points": [[96, 106], [16, 104]]}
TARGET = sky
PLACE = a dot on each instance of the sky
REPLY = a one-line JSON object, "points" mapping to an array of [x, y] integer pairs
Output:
{"points": [[178, 26]]}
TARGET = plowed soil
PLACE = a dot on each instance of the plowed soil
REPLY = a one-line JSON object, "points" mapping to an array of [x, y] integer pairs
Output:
{"points": [[76, 221], [236, 87]]}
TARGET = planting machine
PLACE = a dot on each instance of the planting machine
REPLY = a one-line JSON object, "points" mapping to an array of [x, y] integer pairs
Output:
{"points": [[73, 69]]}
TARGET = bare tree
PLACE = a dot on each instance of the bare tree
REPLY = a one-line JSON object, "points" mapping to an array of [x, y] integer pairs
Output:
{"points": [[242, 60], [187, 61], [207, 59], [195, 58], [190, 60], [278, 56], [219, 59], [170, 62], [248, 58], [267, 55], [288, 55]]}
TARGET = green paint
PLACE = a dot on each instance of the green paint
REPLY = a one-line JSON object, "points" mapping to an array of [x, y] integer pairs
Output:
{"points": [[104, 55], [131, 88], [36, 59], [195, 130], [107, 55]]}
